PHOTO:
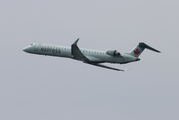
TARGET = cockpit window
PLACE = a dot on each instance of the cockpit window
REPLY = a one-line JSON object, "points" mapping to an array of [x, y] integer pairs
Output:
{"points": [[31, 44]]}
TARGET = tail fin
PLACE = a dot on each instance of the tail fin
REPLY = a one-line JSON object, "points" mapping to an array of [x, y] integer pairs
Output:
{"points": [[140, 48]]}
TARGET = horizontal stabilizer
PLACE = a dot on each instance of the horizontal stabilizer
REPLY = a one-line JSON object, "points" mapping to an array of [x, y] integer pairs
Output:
{"points": [[140, 48], [143, 45]]}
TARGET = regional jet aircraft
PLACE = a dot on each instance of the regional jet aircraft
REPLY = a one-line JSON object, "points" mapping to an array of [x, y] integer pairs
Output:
{"points": [[91, 57]]}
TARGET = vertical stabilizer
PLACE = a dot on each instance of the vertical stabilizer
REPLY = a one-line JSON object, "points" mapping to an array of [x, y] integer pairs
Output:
{"points": [[140, 48]]}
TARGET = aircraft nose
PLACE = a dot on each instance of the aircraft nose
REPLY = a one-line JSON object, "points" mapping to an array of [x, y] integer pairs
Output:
{"points": [[27, 49]]}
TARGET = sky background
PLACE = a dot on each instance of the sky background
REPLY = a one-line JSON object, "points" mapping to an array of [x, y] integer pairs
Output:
{"points": [[34, 87]]}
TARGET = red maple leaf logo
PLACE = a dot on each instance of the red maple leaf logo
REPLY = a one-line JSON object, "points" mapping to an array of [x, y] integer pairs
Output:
{"points": [[136, 51]]}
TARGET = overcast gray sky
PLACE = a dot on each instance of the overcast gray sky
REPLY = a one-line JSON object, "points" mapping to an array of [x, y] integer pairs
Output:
{"points": [[36, 87]]}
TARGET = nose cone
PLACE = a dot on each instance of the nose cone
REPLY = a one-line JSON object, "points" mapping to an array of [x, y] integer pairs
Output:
{"points": [[27, 49], [24, 49]]}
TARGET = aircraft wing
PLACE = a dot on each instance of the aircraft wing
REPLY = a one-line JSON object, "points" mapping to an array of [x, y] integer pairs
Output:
{"points": [[77, 54], [104, 66]]}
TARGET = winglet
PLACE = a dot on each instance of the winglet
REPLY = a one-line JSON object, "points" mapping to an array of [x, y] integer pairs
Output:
{"points": [[124, 69], [127, 69], [75, 43]]}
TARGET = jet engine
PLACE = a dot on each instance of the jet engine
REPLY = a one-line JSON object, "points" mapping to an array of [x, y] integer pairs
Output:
{"points": [[113, 52]]}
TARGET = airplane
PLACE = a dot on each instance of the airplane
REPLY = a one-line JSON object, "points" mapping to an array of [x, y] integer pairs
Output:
{"points": [[91, 57]]}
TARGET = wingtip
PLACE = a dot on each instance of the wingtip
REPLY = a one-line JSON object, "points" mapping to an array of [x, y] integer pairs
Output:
{"points": [[124, 69], [76, 41], [157, 51], [128, 69]]}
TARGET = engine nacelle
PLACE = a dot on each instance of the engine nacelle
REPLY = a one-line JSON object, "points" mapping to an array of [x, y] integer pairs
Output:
{"points": [[113, 52]]}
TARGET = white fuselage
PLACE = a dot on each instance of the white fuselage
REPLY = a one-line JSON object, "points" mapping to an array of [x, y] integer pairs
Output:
{"points": [[93, 55]]}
